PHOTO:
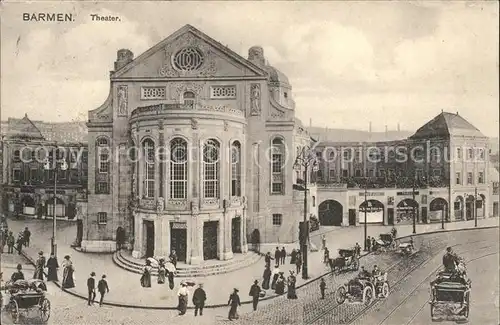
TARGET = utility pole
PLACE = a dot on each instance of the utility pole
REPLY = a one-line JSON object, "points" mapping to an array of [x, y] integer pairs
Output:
{"points": [[366, 208], [475, 207], [414, 208]]}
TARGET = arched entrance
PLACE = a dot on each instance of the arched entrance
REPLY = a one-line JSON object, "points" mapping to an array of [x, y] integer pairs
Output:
{"points": [[60, 207], [469, 207], [374, 210], [458, 208], [330, 213], [438, 210], [406, 210], [481, 206], [28, 205]]}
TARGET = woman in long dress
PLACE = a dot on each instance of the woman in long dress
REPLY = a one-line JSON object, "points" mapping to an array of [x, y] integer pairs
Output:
{"points": [[161, 271], [52, 267], [146, 275], [183, 299], [267, 278], [291, 294], [276, 274], [280, 284], [69, 269], [40, 265], [170, 276]]}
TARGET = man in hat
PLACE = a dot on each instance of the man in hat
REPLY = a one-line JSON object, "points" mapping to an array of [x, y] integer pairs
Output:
{"points": [[102, 286], [234, 302], [39, 266], [199, 297], [18, 275], [10, 243], [255, 294], [450, 260], [322, 287], [26, 236], [183, 298], [91, 288]]}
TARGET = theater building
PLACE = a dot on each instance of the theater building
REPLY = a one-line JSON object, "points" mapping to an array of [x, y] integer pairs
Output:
{"points": [[192, 152], [27, 187], [446, 176]]}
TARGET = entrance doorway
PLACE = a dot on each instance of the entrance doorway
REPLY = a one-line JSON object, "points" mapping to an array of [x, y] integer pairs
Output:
{"points": [[390, 216], [352, 217], [150, 238], [210, 230], [424, 214], [236, 234], [330, 213], [178, 240]]}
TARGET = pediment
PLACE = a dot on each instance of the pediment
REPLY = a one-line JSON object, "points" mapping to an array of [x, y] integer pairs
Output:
{"points": [[189, 53]]}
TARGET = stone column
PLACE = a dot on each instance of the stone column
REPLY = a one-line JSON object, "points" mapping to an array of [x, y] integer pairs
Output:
{"points": [[137, 252], [165, 236], [196, 234], [220, 238], [158, 236], [228, 244], [244, 245]]}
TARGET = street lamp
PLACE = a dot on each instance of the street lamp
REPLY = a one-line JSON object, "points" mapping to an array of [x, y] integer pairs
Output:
{"points": [[56, 165], [367, 204], [306, 159], [414, 207]]}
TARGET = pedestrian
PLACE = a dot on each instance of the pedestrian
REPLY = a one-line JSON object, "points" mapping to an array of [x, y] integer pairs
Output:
{"points": [[255, 294], [91, 288], [323, 241], [277, 256], [199, 298], [283, 255], [322, 287], [374, 244], [103, 288], [293, 256], [298, 262], [326, 256], [280, 284], [146, 275], [120, 238], [173, 258], [3, 241], [267, 278], [19, 243], [182, 295], [68, 270], [291, 292], [357, 248], [234, 302], [162, 271], [170, 276], [368, 244], [52, 267], [39, 266], [18, 275], [276, 274], [268, 259], [10, 243], [26, 236]]}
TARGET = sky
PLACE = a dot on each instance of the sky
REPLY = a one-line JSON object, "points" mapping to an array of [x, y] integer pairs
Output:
{"points": [[349, 62]]}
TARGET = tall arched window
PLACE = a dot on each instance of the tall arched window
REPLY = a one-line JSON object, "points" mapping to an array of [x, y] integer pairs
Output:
{"points": [[178, 168], [102, 165], [188, 99], [211, 173], [149, 168], [277, 161], [236, 169]]}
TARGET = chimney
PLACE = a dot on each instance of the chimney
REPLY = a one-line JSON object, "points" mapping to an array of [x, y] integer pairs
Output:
{"points": [[370, 127], [256, 56], [123, 57]]}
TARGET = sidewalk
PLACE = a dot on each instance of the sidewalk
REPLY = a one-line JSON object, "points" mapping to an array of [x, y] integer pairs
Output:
{"points": [[125, 289]]}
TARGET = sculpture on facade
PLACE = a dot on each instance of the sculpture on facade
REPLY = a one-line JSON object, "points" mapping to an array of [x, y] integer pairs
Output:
{"points": [[122, 101], [194, 124], [160, 204], [226, 125], [255, 108]]}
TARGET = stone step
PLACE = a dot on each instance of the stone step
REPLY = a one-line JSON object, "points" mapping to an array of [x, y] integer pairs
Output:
{"points": [[202, 271]]}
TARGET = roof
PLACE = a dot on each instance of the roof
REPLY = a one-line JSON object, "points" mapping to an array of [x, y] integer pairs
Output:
{"points": [[62, 132], [277, 76], [451, 286], [447, 124]]}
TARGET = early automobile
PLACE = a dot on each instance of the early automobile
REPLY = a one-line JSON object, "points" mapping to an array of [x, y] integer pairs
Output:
{"points": [[384, 243], [26, 296], [348, 260], [407, 247], [450, 295], [363, 290]]}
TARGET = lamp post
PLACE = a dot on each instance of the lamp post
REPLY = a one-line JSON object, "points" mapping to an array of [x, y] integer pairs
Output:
{"points": [[414, 208], [366, 208], [475, 207], [305, 159], [56, 165]]}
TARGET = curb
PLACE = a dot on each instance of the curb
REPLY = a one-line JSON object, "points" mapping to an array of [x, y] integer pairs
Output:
{"points": [[124, 305]]}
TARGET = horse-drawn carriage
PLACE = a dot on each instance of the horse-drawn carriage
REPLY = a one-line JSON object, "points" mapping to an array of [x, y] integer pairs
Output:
{"points": [[348, 260], [450, 295], [26, 296], [384, 243], [363, 290]]}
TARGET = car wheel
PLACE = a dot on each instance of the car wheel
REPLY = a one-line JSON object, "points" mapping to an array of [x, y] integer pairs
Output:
{"points": [[340, 295], [367, 296], [385, 290]]}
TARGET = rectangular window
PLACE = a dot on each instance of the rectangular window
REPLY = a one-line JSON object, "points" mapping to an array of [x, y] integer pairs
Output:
{"points": [[480, 178], [370, 173], [459, 153], [223, 92], [178, 180], [148, 93], [102, 218], [470, 154], [34, 175], [17, 155], [331, 174], [103, 163], [17, 175], [458, 179], [495, 188], [470, 178], [85, 156], [277, 219], [277, 188], [436, 172], [357, 173], [211, 184], [102, 188], [277, 163], [345, 173]]}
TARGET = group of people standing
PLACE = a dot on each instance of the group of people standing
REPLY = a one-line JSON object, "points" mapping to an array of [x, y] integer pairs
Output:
{"points": [[7, 238]]}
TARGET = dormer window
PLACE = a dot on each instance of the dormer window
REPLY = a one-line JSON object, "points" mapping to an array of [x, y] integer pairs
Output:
{"points": [[188, 99]]}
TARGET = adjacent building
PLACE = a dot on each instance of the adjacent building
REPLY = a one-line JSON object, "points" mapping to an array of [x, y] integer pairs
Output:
{"points": [[193, 151]]}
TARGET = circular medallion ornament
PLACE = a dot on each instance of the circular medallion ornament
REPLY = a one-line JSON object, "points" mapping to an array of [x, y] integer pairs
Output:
{"points": [[188, 59], [211, 152]]}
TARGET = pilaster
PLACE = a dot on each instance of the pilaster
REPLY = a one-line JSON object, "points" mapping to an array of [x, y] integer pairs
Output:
{"points": [[196, 233], [244, 245], [137, 252], [228, 245], [220, 238], [158, 237]]}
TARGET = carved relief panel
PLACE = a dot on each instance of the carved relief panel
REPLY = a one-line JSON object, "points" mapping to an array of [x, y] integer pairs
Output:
{"points": [[255, 100], [122, 98]]}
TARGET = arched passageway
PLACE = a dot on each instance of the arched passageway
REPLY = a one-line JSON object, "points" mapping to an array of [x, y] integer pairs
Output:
{"points": [[438, 210], [406, 210], [28, 205], [372, 210], [458, 208], [60, 207], [330, 213]]}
